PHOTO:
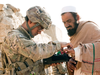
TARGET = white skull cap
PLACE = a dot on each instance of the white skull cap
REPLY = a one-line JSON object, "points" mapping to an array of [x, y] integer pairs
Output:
{"points": [[68, 9]]}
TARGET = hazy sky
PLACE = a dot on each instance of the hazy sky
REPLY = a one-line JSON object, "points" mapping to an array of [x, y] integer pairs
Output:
{"points": [[87, 9]]}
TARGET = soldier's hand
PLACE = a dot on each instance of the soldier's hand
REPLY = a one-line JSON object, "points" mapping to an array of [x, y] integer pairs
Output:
{"points": [[72, 64]]}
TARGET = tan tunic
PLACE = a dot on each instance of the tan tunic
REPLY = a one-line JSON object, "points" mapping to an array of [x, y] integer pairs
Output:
{"points": [[87, 33]]}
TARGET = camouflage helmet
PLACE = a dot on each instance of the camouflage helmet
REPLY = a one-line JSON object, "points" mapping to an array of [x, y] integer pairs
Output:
{"points": [[37, 14]]}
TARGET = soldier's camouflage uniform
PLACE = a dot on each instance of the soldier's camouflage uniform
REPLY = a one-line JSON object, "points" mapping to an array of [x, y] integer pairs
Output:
{"points": [[23, 54]]}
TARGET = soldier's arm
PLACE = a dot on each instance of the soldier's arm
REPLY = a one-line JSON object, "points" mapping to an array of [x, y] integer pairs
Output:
{"points": [[30, 49], [18, 43]]}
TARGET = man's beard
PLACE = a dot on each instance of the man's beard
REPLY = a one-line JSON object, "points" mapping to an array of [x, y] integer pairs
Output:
{"points": [[71, 32]]}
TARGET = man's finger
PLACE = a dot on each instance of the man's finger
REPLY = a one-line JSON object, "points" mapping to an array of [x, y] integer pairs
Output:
{"points": [[69, 51], [71, 66], [69, 45], [72, 61], [70, 69]]}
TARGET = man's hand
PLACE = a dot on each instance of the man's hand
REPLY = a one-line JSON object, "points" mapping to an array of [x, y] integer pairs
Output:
{"points": [[64, 44], [69, 49], [72, 64]]}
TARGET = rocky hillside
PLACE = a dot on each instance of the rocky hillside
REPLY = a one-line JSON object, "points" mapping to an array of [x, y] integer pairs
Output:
{"points": [[9, 18]]}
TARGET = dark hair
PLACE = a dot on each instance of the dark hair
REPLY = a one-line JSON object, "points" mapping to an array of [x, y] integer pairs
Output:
{"points": [[26, 18], [73, 14]]}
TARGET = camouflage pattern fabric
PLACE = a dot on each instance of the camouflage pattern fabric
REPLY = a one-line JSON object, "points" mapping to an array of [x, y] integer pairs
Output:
{"points": [[62, 68], [59, 69], [0, 59], [38, 15], [19, 46]]}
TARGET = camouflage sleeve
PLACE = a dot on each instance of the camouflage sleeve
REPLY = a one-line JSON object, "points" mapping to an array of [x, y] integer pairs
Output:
{"points": [[30, 49]]}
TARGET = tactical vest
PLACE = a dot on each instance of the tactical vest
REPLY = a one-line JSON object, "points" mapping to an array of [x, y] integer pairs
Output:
{"points": [[28, 67]]}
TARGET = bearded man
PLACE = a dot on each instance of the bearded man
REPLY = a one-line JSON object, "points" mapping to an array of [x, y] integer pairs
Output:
{"points": [[85, 39]]}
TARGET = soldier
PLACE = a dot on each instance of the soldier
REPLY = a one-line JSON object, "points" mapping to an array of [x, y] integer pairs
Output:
{"points": [[20, 54]]}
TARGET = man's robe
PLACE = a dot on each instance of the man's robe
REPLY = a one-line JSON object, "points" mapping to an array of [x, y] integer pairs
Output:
{"points": [[87, 34]]}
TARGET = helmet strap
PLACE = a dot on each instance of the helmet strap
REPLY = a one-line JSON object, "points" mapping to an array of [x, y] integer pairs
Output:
{"points": [[30, 29]]}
